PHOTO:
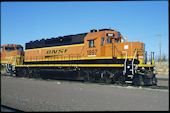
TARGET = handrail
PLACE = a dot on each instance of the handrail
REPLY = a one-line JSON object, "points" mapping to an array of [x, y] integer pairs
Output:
{"points": [[133, 62], [9, 60], [7, 65], [144, 57], [124, 71], [151, 58], [14, 61]]}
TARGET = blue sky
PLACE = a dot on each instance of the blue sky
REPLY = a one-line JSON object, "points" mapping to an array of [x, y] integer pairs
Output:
{"points": [[141, 21]]}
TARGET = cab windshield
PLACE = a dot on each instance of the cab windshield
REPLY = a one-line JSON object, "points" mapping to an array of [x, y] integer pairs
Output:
{"points": [[19, 48], [9, 49]]}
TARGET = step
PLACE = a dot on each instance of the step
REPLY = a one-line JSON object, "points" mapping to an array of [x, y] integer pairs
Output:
{"points": [[129, 79], [131, 76], [130, 82], [130, 70]]}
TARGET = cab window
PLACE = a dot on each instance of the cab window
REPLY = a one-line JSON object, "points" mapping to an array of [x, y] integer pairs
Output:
{"points": [[118, 35], [9, 49], [102, 41], [109, 40], [116, 40], [91, 43], [19, 48]]}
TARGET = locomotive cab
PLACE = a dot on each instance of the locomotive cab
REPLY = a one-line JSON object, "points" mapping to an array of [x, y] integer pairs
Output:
{"points": [[108, 46], [11, 48], [11, 55], [104, 43]]}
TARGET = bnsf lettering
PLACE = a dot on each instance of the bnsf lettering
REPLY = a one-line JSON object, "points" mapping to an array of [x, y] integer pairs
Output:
{"points": [[57, 51]]}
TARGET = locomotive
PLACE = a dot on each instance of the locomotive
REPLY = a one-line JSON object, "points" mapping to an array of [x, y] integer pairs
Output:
{"points": [[102, 55]]}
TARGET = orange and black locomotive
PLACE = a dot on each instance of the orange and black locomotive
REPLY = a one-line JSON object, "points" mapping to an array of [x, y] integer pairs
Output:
{"points": [[101, 55]]}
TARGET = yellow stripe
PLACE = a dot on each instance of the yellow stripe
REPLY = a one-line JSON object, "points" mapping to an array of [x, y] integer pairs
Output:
{"points": [[127, 57], [4, 62], [83, 58], [80, 65], [145, 65], [55, 47], [7, 57], [73, 65]]}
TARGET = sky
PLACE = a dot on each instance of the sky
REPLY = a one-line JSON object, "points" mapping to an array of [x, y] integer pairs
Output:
{"points": [[141, 21]]}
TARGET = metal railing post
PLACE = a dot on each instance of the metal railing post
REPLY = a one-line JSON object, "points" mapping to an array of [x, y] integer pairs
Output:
{"points": [[133, 62], [124, 71]]}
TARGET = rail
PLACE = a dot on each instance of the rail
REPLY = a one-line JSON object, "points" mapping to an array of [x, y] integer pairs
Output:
{"points": [[152, 58], [8, 64], [145, 60], [124, 71], [133, 63], [14, 61], [145, 57], [9, 60]]}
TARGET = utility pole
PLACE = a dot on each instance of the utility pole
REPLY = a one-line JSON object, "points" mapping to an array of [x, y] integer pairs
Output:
{"points": [[160, 46]]}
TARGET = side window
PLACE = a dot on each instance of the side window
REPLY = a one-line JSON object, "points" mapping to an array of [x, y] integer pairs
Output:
{"points": [[118, 35], [91, 43], [102, 41], [116, 40], [18, 48], [109, 40]]}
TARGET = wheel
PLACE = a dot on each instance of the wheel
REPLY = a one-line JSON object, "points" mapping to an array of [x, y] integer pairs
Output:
{"points": [[19, 72], [25, 72], [121, 79], [154, 80], [86, 77], [148, 82], [138, 80], [36, 74], [107, 79]]}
